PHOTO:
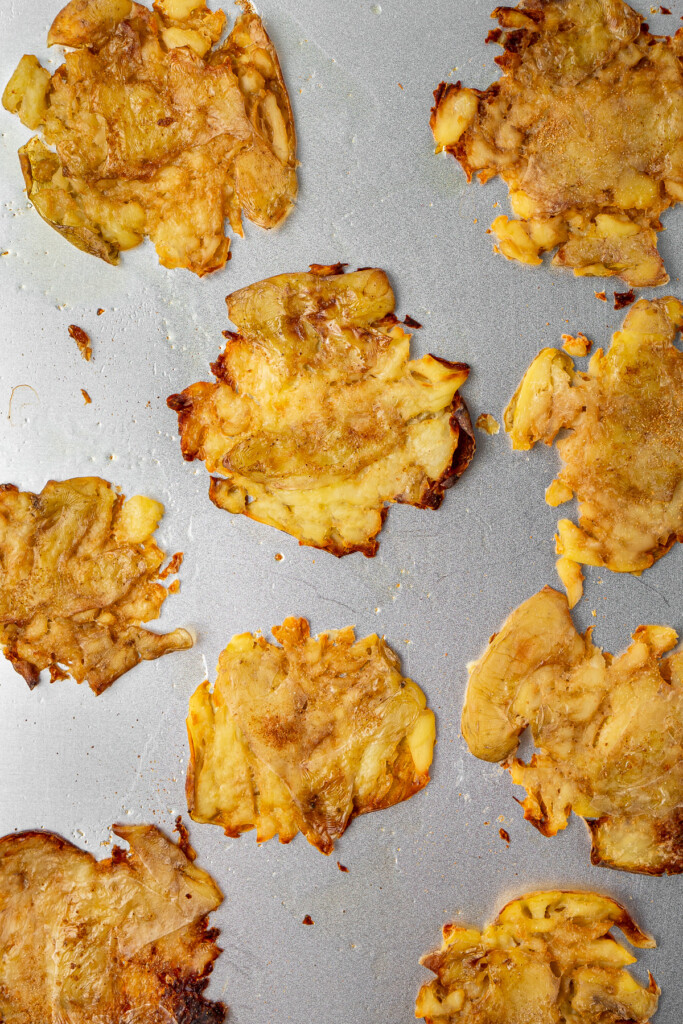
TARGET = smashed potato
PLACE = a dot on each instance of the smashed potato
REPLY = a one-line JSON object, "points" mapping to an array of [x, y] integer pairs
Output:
{"points": [[548, 958], [623, 455], [156, 131], [79, 570], [609, 731], [319, 418], [586, 129], [306, 736], [123, 939]]}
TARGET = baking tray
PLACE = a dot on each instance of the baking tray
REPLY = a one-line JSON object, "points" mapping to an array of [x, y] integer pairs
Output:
{"points": [[372, 193]]}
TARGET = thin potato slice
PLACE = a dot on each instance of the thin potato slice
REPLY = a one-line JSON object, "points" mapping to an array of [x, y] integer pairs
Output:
{"points": [[306, 736], [548, 958], [609, 732], [623, 455], [319, 418], [586, 129], [79, 572], [156, 131], [123, 939]]}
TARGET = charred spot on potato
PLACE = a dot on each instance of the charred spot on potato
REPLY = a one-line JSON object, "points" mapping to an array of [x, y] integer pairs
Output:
{"points": [[548, 956], [79, 573], [607, 730], [158, 131], [319, 418], [585, 126], [305, 736], [120, 939], [623, 453]]}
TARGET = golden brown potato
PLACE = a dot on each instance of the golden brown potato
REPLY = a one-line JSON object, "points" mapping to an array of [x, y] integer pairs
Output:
{"points": [[586, 129], [306, 736], [156, 132], [548, 958], [79, 572], [609, 731], [319, 418], [123, 939], [623, 455]]}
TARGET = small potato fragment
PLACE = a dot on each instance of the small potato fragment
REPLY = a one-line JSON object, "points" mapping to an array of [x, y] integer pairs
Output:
{"points": [[306, 736], [608, 730], [128, 936], [319, 418], [623, 454], [548, 958], [79, 573], [26, 92], [156, 130], [585, 128]]}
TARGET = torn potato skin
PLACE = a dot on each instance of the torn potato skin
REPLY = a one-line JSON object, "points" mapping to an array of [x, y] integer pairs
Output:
{"points": [[547, 957], [157, 130], [305, 736], [79, 573], [607, 731], [319, 419], [119, 939], [584, 126], [622, 453]]}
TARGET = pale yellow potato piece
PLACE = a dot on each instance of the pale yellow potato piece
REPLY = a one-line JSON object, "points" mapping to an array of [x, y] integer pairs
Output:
{"points": [[158, 132], [623, 454], [548, 957], [585, 128], [319, 418], [80, 572], [123, 939], [306, 736], [609, 731]]}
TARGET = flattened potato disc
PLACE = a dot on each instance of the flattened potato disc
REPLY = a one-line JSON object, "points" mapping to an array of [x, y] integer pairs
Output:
{"points": [[608, 731], [547, 958], [306, 736], [157, 131], [319, 418], [586, 129]]}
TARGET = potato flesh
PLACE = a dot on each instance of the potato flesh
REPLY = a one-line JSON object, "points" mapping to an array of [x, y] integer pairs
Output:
{"points": [[585, 128], [305, 736], [608, 731], [80, 573], [156, 132], [623, 455], [548, 957], [319, 418], [114, 940]]}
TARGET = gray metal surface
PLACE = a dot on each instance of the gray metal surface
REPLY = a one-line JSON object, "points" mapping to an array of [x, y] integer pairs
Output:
{"points": [[372, 193]]}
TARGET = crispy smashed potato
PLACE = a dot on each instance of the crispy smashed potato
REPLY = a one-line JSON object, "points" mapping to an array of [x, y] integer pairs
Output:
{"points": [[623, 456], [156, 132], [609, 731], [123, 939], [586, 129], [319, 418], [306, 736], [548, 958], [79, 571]]}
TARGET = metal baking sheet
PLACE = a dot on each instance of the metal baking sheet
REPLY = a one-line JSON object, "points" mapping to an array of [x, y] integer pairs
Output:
{"points": [[360, 75]]}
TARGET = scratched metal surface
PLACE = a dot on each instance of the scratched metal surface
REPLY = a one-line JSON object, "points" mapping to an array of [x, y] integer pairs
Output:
{"points": [[372, 193]]}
